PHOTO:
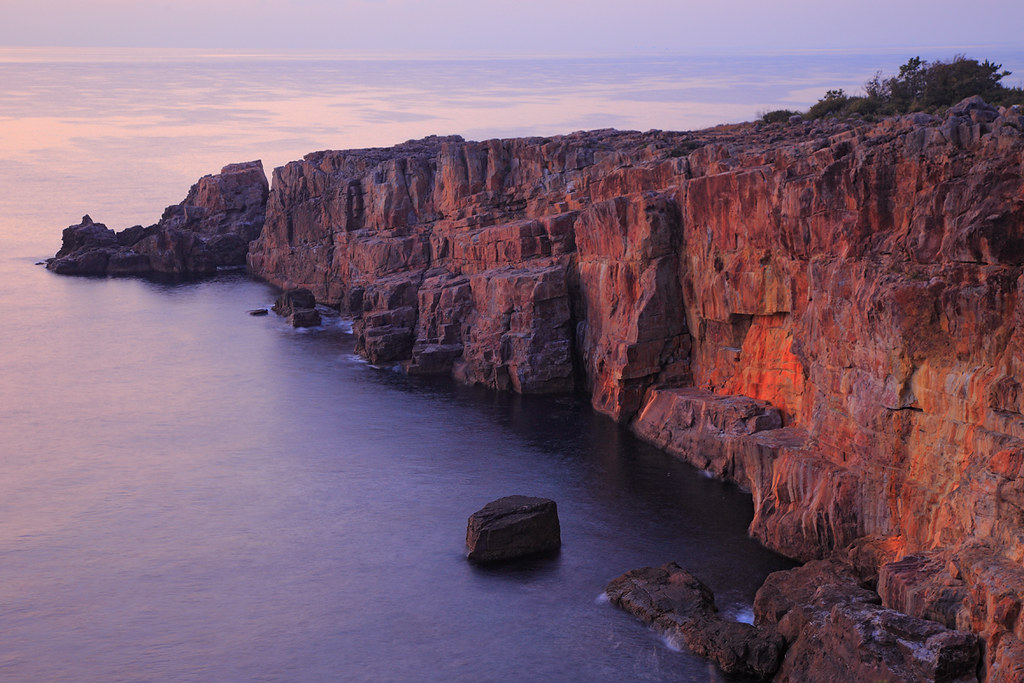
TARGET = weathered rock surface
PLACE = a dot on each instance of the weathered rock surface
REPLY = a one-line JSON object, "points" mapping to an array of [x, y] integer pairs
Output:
{"points": [[683, 608], [828, 313], [511, 527], [816, 623], [304, 317], [974, 588], [291, 300], [299, 307], [211, 228], [836, 629]]}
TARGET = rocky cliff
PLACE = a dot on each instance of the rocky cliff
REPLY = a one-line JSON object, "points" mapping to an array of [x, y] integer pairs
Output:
{"points": [[829, 314], [211, 228]]}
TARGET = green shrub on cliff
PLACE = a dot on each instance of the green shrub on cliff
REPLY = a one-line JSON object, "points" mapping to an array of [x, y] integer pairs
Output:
{"points": [[778, 115], [922, 86], [834, 101]]}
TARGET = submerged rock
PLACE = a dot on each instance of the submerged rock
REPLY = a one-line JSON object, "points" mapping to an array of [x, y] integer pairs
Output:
{"points": [[511, 527]]}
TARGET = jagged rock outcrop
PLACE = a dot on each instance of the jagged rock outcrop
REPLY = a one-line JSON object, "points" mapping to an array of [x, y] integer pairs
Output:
{"points": [[827, 313], [299, 307], [836, 629], [211, 228], [818, 622], [683, 608]]}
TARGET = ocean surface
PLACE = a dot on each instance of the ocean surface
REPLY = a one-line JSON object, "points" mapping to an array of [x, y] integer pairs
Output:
{"points": [[188, 493]]}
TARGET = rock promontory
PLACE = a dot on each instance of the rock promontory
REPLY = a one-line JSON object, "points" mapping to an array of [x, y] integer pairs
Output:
{"points": [[828, 313], [211, 228]]}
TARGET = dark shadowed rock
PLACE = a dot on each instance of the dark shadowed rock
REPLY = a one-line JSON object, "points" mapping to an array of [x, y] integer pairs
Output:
{"points": [[290, 300], [837, 630], [513, 526], [299, 306], [130, 236], [681, 606], [304, 317], [128, 262], [90, 262], [259, 311], [829, 626], [85, 249], [228, 250], [86, 235], [210, 229]]}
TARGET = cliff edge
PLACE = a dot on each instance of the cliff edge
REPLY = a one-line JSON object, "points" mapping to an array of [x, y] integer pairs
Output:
{"points": [[829, 314]]}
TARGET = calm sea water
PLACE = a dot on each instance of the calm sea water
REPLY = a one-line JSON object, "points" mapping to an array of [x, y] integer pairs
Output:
{"points": [[190, 493]]}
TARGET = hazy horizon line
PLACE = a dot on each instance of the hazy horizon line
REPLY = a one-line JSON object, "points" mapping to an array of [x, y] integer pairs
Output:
{"points": [[26, 51]]}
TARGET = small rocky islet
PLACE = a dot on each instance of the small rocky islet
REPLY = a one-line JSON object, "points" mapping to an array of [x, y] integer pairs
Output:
{"points": [[828, 313]]}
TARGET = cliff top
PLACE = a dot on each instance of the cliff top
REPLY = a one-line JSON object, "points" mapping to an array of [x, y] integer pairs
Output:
{"points": [[757, 137]]}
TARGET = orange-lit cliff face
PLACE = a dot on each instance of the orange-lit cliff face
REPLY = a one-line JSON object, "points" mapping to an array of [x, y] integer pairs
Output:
{"points": [[829, 314]]}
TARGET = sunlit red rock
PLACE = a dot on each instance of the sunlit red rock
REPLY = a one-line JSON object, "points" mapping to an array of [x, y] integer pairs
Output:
{"points": [[828, 313]]}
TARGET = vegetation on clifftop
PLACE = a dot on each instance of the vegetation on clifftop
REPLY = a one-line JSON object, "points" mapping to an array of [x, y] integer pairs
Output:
{"points": [[919, 86]]}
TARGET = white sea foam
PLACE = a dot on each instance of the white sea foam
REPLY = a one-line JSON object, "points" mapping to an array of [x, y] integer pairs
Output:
{"points": [[741, 613], [602, 599], [345, 325], [672, 642], [395, 367]]}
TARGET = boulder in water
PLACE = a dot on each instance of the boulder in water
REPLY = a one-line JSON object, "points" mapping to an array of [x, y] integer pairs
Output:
{"points": [[511, 527], [299, 306], [292, 299]]}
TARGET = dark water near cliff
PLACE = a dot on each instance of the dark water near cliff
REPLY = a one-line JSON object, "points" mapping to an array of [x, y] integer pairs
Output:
{"points": [[190, 493]]}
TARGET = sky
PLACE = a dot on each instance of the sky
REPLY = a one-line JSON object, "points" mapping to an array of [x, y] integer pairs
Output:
{"points": [[515, 27]]}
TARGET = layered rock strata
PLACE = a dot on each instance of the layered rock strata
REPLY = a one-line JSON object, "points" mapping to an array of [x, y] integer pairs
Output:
{"points": [[836, 629], [826, 313], [210, 229]]}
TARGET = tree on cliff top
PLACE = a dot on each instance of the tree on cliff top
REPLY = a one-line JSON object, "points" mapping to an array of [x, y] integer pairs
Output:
{"points": [[922, 86]]}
